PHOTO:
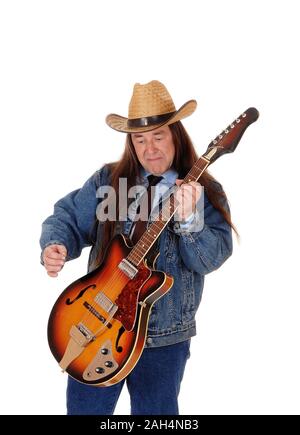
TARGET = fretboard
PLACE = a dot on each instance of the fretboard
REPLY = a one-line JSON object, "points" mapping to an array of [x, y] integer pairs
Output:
{"points": [[168, 209]]}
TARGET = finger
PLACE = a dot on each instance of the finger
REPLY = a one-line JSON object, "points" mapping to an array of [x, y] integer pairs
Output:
{"points": [[50, 261], [185, 207], [61, 249], [186, 204], [197, 186], [183, 194], [187, 198], [188, 194], [53, 262], [194, 189], [56, 249], [53, 256], [192, 185]]}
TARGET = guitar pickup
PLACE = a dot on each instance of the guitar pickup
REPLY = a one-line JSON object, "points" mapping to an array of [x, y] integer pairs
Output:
{"points": [[128, 268], [106, 304]]}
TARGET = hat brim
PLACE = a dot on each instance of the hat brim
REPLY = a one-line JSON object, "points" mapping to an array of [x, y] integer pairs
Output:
{"points": [[120, 123]]}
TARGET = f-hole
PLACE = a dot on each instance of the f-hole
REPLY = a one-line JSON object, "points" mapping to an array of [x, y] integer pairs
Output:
{"points": [[121, 331], [80, 294]]}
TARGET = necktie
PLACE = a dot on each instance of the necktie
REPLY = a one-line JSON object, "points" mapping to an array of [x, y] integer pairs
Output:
{"points": [[141, 225]]}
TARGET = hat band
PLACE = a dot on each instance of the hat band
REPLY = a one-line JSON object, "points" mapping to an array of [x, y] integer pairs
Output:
{"points": [[149, 120]]}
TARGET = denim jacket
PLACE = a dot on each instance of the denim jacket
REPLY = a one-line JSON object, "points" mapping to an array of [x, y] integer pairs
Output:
{"points": [[187, 256]]}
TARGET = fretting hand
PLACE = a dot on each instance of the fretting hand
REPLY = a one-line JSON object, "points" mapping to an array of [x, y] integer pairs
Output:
{"points": [[186, 197]]}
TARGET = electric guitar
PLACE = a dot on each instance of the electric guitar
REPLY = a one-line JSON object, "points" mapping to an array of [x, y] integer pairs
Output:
{"points": [[98, 325]]}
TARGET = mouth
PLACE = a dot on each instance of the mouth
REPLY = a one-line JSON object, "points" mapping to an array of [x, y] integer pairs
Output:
{"points": [[153, 160]]}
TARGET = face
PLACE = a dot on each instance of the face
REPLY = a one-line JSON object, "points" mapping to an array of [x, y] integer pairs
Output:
{"points": [[155, 149]]}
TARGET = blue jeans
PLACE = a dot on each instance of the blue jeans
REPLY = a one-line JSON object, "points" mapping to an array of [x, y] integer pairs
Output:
{"points": [[153, 385]]}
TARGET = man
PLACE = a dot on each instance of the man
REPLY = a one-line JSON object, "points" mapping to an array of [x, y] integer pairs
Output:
{"points": [[195, 242]]}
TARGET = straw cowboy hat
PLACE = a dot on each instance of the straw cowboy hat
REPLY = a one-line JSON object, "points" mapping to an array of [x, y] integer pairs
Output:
{"points": [[150, 107]]}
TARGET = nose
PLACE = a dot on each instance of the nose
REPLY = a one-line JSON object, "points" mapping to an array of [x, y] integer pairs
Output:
{"points": [[150, 146]]}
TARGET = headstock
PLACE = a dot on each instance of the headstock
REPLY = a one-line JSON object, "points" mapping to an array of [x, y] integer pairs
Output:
{"points": [[228, 139]]}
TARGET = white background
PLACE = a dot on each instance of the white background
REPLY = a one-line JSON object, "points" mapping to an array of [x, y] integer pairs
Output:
{"points": [[64, 66]]}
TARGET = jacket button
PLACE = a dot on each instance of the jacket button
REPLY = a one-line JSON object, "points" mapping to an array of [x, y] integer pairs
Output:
{"points": [[149, 340]]}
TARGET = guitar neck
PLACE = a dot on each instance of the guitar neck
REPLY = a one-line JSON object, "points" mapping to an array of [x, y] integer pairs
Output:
{"points": [[168, 209]]}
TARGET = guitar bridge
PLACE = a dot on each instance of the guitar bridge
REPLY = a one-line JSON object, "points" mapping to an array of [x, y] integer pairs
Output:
{"points": [[88, 335], [128, 268]]}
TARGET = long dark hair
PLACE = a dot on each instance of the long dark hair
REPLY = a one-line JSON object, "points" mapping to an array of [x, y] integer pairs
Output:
{"points": [[185, 157]]}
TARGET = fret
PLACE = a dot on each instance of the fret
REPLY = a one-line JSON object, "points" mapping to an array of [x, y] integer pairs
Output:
{"points": [[137, 248], [196, 166], [134, 255], [157, 225], [133, 259], [189, 178], [147, 235], [204, 163], [197, 169], [142, 242], [200, 168], [149, 232]]}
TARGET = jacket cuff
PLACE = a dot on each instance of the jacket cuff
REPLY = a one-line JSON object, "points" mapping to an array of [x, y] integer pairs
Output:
{"points": [[194, 223]]}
